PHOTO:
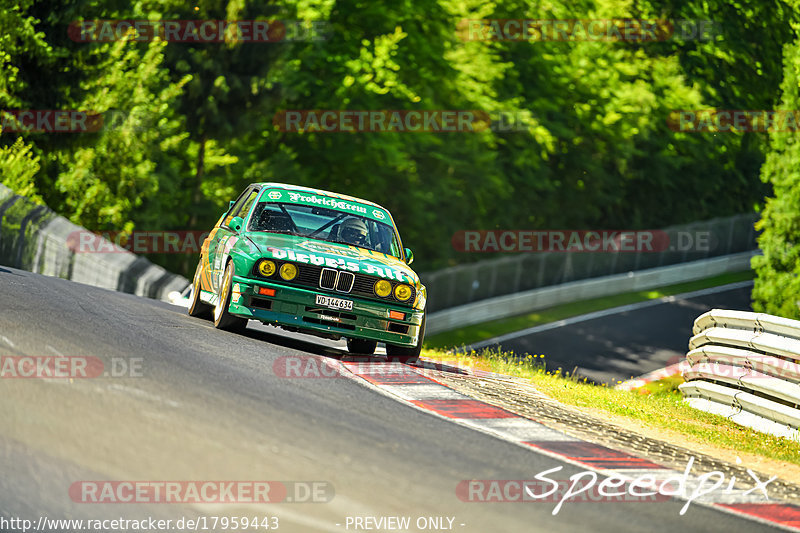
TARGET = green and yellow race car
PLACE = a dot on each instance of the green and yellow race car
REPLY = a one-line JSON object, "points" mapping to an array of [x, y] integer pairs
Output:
{"points": [[312, 261]]}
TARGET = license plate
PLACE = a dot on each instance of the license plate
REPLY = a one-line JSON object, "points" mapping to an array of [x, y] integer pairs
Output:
{"points": [[334, 303]]}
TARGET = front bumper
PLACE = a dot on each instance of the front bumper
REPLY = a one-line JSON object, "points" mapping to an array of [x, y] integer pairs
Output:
{"points": [[296, 307]]}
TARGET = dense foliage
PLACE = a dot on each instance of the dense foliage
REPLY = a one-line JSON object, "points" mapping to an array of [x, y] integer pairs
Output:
{"points": [[194, 121], [777, 288]]}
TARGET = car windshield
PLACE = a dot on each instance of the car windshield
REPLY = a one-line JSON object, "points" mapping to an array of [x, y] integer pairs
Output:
{"points": [[325, 225]]}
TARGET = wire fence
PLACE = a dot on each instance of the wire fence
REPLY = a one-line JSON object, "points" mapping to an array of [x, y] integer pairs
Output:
{"points": [[34, 238], [510, 274]]}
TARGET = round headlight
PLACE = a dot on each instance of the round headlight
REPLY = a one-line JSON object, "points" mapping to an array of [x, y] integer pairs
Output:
{"points": [[403, 292], [266, 268], [288, 271], [383, 288]]}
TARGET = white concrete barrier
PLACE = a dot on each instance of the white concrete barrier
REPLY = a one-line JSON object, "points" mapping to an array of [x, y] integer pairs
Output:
{"points": [[746, 366], [34, 238]]}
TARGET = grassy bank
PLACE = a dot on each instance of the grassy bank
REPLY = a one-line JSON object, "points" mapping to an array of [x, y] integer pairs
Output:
{"points": [[657, 405]]}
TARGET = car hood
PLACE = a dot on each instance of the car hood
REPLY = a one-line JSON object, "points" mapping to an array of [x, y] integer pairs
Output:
{"points": [[334, 255]]}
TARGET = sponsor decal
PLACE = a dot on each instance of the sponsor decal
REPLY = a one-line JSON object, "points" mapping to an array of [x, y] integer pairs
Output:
{"points": [[236, 293], [339, 263], [329, 249], [221, 255], [388, 260], [229, 242], [329, 202]]}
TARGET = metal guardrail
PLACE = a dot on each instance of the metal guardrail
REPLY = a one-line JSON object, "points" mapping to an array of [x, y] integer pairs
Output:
{"points": [[530, 301], [746, 366], [34, 238], [521, 272]]}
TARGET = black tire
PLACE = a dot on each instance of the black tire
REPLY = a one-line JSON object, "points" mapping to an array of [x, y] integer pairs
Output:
{"points": [[222, 318], [406, 354], [361, 346], [198, 307]]}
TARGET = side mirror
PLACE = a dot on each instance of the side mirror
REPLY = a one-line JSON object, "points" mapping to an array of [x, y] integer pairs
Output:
{"points": [[409, 256], [236, 224]]}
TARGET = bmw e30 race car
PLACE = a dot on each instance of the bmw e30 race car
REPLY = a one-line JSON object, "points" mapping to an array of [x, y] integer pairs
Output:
{"points": [[312, 261]]}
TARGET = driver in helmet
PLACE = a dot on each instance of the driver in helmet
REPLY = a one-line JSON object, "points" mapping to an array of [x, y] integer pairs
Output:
{"points": [[353, 231]]}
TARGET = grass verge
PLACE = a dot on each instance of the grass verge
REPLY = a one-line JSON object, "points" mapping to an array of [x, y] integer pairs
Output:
{"points": [[488, 330], [657, 405]]}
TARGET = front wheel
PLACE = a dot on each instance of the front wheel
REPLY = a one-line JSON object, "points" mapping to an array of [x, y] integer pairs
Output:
{"points": [[405, 354], [198, 307], [222, 317]]}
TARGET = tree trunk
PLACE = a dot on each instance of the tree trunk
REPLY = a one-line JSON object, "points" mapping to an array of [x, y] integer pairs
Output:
{"points": [[197, 196], [198, 181]]}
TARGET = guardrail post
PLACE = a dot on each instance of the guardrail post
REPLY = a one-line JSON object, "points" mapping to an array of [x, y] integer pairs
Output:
{"points": [[518, 275]]}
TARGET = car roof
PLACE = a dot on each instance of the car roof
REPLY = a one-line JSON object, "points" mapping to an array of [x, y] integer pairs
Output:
{"points": [[299, 188]]}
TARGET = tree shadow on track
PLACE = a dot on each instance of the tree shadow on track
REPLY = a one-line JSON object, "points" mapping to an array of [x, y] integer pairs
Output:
{"points": [[625, 344]]}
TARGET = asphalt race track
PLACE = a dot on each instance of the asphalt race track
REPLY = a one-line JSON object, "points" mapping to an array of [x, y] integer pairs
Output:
{"points": [[208, 406], [625, 343]]}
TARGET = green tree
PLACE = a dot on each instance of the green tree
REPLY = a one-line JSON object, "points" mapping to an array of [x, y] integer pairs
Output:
{"points": [[777, 284], [595, 149], [18, 166], [20, 42], [109, 181], [227, 93]]}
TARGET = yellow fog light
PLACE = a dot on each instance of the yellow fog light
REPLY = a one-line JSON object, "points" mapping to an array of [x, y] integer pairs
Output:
{"points": [[402, 292], [288, 271], [267, 268], [383, 288]]}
